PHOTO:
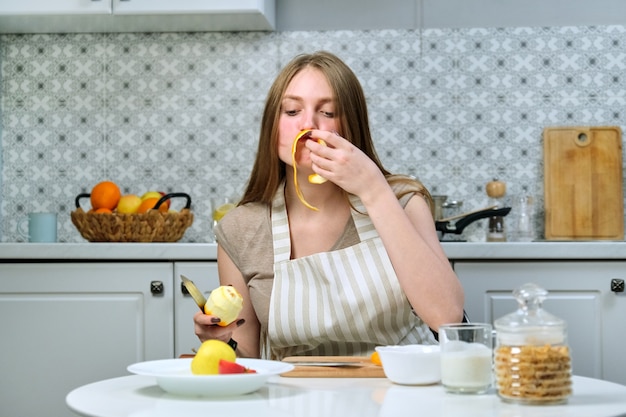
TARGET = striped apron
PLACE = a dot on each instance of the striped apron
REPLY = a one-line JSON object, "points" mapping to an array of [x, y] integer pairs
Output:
{"points": [[343, 302]]}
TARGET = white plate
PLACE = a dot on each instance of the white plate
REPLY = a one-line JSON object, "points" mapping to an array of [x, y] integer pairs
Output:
{"points": [[174, 376]]}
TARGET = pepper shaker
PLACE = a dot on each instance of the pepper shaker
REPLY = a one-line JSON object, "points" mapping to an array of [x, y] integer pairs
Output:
{"points": [[495, 230]]}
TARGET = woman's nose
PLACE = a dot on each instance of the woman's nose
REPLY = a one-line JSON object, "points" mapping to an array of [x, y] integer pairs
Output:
{"points": [[308, 120]]}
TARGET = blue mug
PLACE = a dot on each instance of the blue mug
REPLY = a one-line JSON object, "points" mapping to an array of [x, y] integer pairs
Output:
{"points": [[42, 227]]}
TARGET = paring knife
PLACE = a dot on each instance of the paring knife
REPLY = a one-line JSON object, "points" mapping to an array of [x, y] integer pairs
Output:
{"points": [[331, 364], [194, 292]]}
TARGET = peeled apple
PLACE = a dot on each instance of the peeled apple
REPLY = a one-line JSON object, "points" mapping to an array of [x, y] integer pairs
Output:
{"points": [[224, 302]]}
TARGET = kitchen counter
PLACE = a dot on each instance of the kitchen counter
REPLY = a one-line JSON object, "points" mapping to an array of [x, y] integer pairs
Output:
{"points": [[208, 251]]}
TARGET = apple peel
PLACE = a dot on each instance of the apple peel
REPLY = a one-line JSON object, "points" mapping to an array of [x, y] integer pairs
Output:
{"points": [[313, 178], [227, 367]]}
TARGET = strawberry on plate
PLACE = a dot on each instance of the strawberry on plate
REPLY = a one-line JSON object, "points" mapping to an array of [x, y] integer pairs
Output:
{"points": [[228, 367]]}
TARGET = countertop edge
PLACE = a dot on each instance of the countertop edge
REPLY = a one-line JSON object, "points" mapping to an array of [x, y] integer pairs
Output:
{"points": [[471, 251], [108, 251], [538, 250]]}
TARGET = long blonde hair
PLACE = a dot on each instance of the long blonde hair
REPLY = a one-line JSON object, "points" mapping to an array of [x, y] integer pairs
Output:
{"points": [[350, 107]]}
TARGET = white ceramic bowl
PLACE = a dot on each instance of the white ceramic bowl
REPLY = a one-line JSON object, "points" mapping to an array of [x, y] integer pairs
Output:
{"points": [[411, 364]]}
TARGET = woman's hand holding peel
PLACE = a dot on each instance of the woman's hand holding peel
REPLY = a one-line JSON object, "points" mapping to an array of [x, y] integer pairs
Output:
{"points": [[344, 164]]}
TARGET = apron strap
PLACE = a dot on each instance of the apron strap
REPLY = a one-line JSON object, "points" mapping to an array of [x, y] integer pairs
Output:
{"points": [[280, 227], [362, 222]]}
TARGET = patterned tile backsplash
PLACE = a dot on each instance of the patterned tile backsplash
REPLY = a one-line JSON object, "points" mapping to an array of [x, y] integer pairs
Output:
{"points": [[181, 112]]}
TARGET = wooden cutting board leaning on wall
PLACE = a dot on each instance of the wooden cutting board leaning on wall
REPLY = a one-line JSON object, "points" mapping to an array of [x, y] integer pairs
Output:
{"points": [[583, 180]]}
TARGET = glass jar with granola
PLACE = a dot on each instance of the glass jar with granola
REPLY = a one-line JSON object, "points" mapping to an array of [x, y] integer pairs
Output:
{"points": [[532, 362]]}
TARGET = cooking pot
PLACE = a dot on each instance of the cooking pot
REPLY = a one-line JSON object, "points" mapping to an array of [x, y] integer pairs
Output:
{"points": [[442, 203], [444, 226]]}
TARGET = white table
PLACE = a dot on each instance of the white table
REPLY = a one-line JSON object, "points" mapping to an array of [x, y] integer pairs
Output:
{"points": [[139, 396]]}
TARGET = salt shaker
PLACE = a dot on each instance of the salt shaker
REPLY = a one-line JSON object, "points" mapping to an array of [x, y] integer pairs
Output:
{"points": [[532, 361], [524, 224]]}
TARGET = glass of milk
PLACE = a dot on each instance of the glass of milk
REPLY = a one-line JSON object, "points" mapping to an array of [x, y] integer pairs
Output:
{"points": [[466, 357]]}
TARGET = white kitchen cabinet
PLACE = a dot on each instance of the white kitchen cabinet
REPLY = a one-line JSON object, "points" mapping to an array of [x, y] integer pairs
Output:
{"points": [[580, 292], [204, 275], [76, 16], [188, 6], [55, 7], [68, 324]]}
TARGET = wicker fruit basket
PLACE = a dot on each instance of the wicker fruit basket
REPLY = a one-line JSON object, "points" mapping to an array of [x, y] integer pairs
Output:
{"points": [[152, 226]]}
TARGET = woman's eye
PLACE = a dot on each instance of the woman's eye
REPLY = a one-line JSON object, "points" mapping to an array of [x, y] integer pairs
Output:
{"points": [[328, 114], [291, 112]]}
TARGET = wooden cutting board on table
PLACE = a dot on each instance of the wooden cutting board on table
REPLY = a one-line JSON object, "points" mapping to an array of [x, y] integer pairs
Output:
{"points": [[360, 367], [583, 180]]}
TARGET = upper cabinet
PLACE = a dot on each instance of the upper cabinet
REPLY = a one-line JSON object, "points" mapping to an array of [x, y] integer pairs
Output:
{"points": [[81, 16], [54, 7]]}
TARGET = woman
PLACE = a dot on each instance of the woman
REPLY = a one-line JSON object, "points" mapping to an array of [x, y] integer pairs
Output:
{"points": [[365, 269]]}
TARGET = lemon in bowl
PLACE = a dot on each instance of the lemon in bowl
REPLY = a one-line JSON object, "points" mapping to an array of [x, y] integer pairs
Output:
{"points": [[221, 211]]}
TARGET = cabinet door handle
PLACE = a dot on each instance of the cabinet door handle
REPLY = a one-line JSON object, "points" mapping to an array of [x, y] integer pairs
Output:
{"points": [[617, 285], [156, 287]]}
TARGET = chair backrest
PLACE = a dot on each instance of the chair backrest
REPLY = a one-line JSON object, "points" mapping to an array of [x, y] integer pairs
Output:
{"points": [[465, 317]]}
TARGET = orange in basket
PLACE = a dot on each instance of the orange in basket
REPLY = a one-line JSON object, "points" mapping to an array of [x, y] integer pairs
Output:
{"points": [[105, 194]]}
